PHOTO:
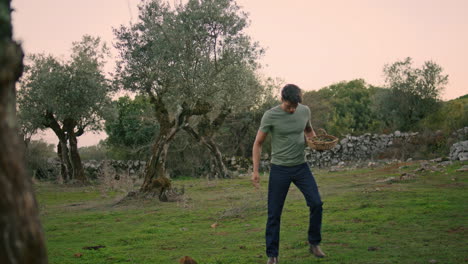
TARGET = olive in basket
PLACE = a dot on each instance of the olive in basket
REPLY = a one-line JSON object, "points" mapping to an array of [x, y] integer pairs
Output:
{"points": [[323, 141]]}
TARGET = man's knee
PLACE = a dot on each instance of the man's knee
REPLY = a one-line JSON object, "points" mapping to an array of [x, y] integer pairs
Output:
{"points": [[315, 204]]}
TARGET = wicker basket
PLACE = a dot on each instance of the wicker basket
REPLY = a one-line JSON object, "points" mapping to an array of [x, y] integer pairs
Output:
{"points": [[322, 141]]}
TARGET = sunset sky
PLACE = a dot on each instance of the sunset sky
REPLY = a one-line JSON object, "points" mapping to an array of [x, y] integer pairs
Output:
{"points": [[310, 43]]}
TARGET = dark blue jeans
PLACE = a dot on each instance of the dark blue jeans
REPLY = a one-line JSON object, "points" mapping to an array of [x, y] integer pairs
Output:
{"points": [[280, 180]]}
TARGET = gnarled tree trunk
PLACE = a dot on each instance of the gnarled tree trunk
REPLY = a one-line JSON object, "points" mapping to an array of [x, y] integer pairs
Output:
{"points": [[77, 167], [62, 148], [221, 169], [78, 171], [65, 164], [21, 234], [157, 182], [206, 130]]}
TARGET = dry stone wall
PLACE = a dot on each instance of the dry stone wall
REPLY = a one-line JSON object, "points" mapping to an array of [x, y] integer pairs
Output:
{"points": [[371, 146], [350, 149], [459, 151], [95, 168], [357, 148]]}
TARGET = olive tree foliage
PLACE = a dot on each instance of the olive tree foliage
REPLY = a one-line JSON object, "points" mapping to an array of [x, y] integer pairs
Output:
{"points": [[68, 97], [242, 92], [411, 94], [237, 135], [182, 57]]}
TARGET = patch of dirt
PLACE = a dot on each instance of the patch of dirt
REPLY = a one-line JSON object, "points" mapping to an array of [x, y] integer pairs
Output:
{"points": [[254, 230], [221, 233], [339, 244], [88, 205], [393, 166], [383, 185], [168, 248], [76, 204], [94, 247], [373, 248], [457, 184], [455, 230]]}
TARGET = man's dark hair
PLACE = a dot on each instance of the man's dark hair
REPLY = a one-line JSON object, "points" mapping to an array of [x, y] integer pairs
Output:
{"points": [[291, 93]]}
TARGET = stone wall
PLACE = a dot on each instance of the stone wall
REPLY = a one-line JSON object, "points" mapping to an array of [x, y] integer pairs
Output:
{"points": [[350, 149], [357, 148], [95, 168], [461, 134], [371, 147], [459, 151]]}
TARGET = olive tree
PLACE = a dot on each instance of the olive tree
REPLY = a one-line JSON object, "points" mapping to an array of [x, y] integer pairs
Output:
{"points": [[179, 56], [68, 97], [242, 91], [22, 237]]}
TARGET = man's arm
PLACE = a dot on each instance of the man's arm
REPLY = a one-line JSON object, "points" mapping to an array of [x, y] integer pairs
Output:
{"points": [[309, 131], [256, 152]]}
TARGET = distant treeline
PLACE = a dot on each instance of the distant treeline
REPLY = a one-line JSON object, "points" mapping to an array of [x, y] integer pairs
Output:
{"points": [[349, 107]]}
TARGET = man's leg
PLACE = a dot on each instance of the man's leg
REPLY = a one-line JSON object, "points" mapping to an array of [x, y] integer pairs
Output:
{"points": [[278, 186], [305, 181]]}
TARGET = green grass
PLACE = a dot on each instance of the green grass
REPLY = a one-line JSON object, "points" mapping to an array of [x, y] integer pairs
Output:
{"points": [[411, 221]]}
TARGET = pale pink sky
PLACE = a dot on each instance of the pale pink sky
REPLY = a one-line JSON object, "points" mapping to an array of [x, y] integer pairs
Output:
{"points": [[308, 42]]}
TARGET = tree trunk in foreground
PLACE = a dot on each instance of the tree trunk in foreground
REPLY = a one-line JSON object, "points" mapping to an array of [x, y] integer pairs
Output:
{"points": [[21, 234]]}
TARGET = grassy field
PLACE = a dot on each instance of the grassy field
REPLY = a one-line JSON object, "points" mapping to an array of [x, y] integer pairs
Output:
{"points": [[420, 220]]}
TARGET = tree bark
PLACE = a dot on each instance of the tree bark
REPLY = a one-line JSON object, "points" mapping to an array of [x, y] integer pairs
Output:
{"points": [[156, 182], [77, 167], [221, 169], [65, 164], [63, 152], [63, 169], [21, 234]]}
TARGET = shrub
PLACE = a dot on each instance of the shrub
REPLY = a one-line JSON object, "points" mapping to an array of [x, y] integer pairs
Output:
{"points": [[37, 154], [97, 152]]}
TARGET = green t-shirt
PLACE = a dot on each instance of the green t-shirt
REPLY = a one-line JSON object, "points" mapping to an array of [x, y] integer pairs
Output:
{"points": [[287, 134]]}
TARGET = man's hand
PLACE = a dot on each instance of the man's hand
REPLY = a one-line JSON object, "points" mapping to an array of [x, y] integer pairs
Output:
{"points": [[256, 150], [256, 180]]}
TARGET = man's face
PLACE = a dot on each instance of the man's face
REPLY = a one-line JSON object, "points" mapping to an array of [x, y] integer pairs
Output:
{"points": [[289, 107]]}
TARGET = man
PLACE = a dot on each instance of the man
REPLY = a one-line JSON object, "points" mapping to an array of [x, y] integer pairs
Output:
{"points": [[288, 123]]}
